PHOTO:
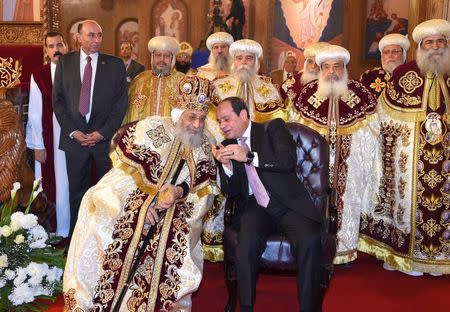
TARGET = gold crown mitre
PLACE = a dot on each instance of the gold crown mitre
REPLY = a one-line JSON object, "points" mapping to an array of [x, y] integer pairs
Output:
{"points": [[193, 93]]}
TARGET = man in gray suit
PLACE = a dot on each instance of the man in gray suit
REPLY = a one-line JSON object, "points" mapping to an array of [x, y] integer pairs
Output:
{"points": [[89, 101], [133, 68]]}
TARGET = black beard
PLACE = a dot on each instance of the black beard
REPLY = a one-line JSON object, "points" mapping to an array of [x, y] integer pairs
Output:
{"points": [[183, 67]]}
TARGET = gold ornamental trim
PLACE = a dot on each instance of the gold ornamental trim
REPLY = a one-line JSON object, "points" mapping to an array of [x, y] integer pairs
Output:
{"points": [[341, 130], [385, 253], [22, 33], [403, 114], [10, 72], [410, 81]]}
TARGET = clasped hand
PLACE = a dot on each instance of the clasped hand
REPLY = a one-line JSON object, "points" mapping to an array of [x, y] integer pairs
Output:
{"points": [[87, 139], [167, 196], [224, 154]]}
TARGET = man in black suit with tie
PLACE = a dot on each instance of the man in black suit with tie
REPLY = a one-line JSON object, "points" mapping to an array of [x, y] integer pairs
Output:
{"points": [[133, 68], [258, 173], [89, 101]]}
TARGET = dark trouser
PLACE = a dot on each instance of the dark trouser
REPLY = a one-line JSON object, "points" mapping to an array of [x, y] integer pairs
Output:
{"points": [[304, 236], [78, 165]]}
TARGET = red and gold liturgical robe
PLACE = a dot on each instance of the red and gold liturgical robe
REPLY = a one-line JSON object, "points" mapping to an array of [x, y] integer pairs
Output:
{"points": [[111, 226], [408, 224], [375, 80], [344, 123]]}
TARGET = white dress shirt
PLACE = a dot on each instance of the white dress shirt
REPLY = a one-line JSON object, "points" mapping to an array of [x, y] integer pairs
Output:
{"points": [[83, 62]]}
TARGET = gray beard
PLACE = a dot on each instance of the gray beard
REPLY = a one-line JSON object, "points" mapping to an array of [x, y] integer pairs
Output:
{"points": [[220, 63], [390, 66], [188, 139], [160, 72], [308, 77], [437, 65], [244, 74]]}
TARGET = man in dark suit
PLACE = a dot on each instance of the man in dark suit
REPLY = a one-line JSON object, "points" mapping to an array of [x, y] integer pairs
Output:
{"points": [[257, 172], [289, 69], [89, 101], [133, 68]]}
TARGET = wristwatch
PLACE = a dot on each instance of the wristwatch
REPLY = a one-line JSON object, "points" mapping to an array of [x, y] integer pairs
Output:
{"points": [[250, 157]]}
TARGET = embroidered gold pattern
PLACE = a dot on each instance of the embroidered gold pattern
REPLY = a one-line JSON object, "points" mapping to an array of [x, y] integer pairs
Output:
{"points": [[432, 178], [378, 85], [159, 136], [431, 227], [410, 82], [226, 87], [401, 188], [402, 162], [409, 100], [138, 101], [432, 203], [315, 100], [433, 156], [263, 90], [351, 99], [291, 94], [70, 303], [393, 94], [448, 82]]}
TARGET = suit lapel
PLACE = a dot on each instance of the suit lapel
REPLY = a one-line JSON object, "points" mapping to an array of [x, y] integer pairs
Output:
{"points": [[99, 78], [257, 134], [130, 69]]}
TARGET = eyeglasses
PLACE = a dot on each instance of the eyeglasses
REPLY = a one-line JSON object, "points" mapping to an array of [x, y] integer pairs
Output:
{"points": [[441, 42], [393, 52], [162, 55]]}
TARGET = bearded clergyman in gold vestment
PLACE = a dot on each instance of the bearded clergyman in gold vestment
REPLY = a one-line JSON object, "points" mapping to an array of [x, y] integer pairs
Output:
{"points": [[342, 110], [261, 95], [116, 213], [408, 224], [149, 92]]}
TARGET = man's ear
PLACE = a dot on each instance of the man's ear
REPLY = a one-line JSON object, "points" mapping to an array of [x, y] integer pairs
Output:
{"points": [[243, 115]]}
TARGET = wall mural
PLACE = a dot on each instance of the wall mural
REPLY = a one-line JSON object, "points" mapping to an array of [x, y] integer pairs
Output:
{"points": [[170, 19], [20, 10], [225, 9], [129, 31], [299, 23], [384, 17]]}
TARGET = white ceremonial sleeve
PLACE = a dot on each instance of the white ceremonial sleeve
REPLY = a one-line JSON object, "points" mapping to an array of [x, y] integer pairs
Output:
{"points": [[34, 138]]}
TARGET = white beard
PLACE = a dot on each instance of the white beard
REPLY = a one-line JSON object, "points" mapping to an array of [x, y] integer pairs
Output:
{"points": [[189, 139], [244, 74], [390, 66], [308, 76], [337, 89], [428, 63]]}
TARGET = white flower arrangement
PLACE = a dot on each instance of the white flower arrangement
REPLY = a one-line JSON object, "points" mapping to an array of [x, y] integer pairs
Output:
{"points": [[30, 268]]}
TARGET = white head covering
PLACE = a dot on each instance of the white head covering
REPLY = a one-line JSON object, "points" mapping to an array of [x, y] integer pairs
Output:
{"points": [[313, 49], [219, 37], [332, 52], [176, 113], [397, 39], [165, 43], [430, 28], [246, 45]]}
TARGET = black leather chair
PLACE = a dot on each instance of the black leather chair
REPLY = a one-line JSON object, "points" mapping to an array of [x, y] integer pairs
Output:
{"points": [[312, 170]]}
